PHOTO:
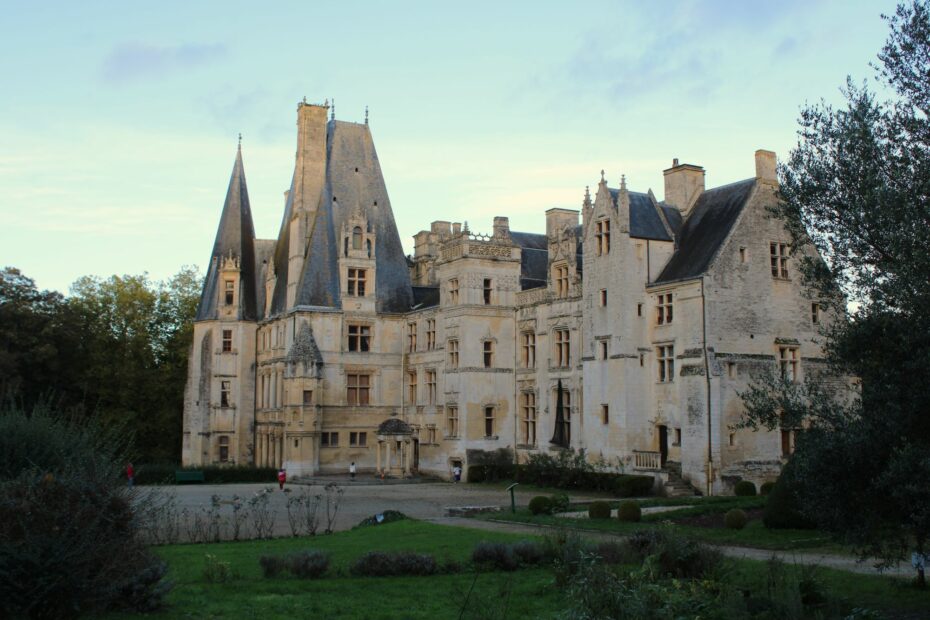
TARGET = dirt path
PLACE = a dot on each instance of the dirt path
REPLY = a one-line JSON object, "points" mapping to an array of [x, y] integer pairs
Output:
{"points": [[838, 562]]}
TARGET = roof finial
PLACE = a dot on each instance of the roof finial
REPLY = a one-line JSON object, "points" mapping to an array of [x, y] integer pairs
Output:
{"points": [[622, 181], [587, 192], [603, 180], [305, 99], [332, 111], [240, 140], [366, 114]]}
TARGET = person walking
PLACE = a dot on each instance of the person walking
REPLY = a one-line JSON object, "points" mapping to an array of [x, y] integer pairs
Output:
{"points": [[282, 478], [456, 474], [130, 474], [352, 470]]}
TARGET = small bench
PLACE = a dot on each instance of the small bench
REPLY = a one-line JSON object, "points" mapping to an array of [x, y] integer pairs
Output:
{"points": [[181, 476]]}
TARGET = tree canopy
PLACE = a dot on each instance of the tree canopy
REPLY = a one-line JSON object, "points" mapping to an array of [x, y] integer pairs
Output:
{"points": [[857, 187]]}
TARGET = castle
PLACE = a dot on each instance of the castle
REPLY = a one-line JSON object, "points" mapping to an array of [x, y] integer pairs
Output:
{"points": [[627, 330]]}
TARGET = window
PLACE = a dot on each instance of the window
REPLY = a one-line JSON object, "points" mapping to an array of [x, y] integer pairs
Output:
{"points": [[815, 313], [227, 340], [731, 370], [359, 338], [602, 236], [411, 337], [732, 439], [453, 346], [677, 437], [431, 433], [452, 421], [454, 291], [605, 414], [224, 449], [562, 348], [789, 439], [430, 334], [487, 291], [357, 238], [779, 258], [529, 418], [489, 422], [788, 363], [358, 440], [308, 397], [488, 353], [412, 388], [329, 440], [743, 255], [528, 349], [230, 292], [225, 389], [639, 309], [356, 282], [358, 389], [602, 345], [664, 309], [665, 356], [560, 280], [566, 410], [431, 387], [603, 297]]}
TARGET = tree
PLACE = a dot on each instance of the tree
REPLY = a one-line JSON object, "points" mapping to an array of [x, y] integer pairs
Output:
{"points": [[857, 188]]}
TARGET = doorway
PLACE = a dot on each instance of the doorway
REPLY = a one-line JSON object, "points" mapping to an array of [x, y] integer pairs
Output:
{"points": [[663, 445], [416, 455]]}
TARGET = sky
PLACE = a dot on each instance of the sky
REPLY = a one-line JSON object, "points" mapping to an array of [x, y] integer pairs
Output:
{"points": [[119, 121]]}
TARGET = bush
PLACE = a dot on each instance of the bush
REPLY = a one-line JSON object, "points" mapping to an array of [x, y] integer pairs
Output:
{"points": [[163, 473], [744, 488], [493, 465], [782, 510], [675, 555], [735, 519], [766, 488], [629, 511], [381, 564], [540, 505], [388, 516], [633, 486], [69, 526], [614, 552], [476, 473], [498, 556], [216, 571], [599, 510], [272, 565], [559, 503], [529, 552], [308, 564]]}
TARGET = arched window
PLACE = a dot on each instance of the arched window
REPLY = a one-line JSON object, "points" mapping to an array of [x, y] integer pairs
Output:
{"points": [[357, 238]]}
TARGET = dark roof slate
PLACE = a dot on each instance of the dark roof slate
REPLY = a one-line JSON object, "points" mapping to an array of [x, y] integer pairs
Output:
{"points": [[705, 230], [264, 253], [645, 221], [534, 258], [234, 237], [425, 296]]}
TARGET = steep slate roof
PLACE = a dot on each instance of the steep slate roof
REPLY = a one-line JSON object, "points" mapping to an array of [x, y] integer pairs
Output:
{"points": [[234, 237], [264, 252], [534, 258], [645, 221], [354, 183], [425, 296], [705, 230]]}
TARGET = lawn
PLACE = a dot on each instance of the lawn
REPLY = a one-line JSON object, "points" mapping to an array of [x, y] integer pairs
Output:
{"points": [[526, 593]]}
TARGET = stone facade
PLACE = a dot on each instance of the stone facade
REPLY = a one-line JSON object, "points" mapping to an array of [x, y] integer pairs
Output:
{"points": [[651, 317]]}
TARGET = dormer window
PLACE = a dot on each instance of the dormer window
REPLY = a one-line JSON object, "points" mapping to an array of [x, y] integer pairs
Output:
{"points": [[357, 238], [560, 279], [356, 282], [602, 236], [230, 292]]}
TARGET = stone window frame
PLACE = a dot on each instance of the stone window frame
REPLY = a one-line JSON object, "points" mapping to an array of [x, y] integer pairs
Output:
{"points": [[411, 387], [788, 357], [229, 292], [560, 279], [778, 259], [602, 236], [431, 384], [223, 445], [529, 416], [356, 279], [487, 352], [364, 340], [665, 362], [490, 419], [227, 340], [358, 439], [664, 308], [562, 347], [453, 290], [367, 388], [452, 420], [487, 290], [603, 347], [528, 348], [605, 413], [329, 439], [602, 297], [225, 393], [816, 313], [430, 334], [452, 347]]}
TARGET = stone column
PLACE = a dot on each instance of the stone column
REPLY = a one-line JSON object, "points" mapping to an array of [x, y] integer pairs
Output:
{"points": [[258, 450], [387, 457], [406, 448], [378, 467]]}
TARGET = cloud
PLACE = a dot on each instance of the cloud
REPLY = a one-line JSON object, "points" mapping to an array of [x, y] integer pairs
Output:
{"points": [[133, 61]]}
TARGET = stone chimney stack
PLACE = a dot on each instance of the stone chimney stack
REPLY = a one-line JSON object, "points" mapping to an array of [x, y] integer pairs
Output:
{"points": [[684, 184], [766, 166], [558, 220], [502, 227]]}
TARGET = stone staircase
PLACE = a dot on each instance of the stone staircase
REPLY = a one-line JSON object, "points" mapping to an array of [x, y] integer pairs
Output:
{"points": [[676, 486]]}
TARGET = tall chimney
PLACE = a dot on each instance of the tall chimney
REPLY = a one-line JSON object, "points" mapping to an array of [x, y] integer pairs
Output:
{"points": [[684, 184], [558, 220], [502, 227], [766, 166]]}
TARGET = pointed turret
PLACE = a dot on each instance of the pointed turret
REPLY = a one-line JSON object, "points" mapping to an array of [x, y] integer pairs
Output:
{"points": [[229, 287]]}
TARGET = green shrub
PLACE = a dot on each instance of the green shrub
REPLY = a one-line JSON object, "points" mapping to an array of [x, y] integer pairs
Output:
{"points": [[388, 516], [540, 505], [494, 465], [629, 510], [766, 488], [163, 473], [675, 555], [735, 519], [476, 473], [782, 510], [70, 539], [744, 488], [614, 552], [496, 556], [308, 564], [633, 486], [559, 502], [529, 552], [381, 564], [599, 510], [216, 571], [272, 565]]}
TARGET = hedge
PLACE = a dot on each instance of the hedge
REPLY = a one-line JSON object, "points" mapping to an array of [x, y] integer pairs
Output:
{"points": [[212, 474]]}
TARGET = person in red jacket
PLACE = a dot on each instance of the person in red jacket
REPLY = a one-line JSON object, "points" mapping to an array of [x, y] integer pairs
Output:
{"points": [[130, 473], [282, 478]]}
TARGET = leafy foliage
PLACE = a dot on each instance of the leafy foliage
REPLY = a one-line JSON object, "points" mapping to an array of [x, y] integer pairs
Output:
{"points": [[735, 519], [744, 488], [540, 505], [383, 564], [599, 510], [628, 510]]}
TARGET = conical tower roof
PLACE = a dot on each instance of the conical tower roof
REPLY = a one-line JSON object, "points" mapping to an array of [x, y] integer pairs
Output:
{"points": [[235, 238]]}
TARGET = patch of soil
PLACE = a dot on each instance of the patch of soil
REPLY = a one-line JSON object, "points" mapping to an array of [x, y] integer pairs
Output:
{"points": [[715, 519]]}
